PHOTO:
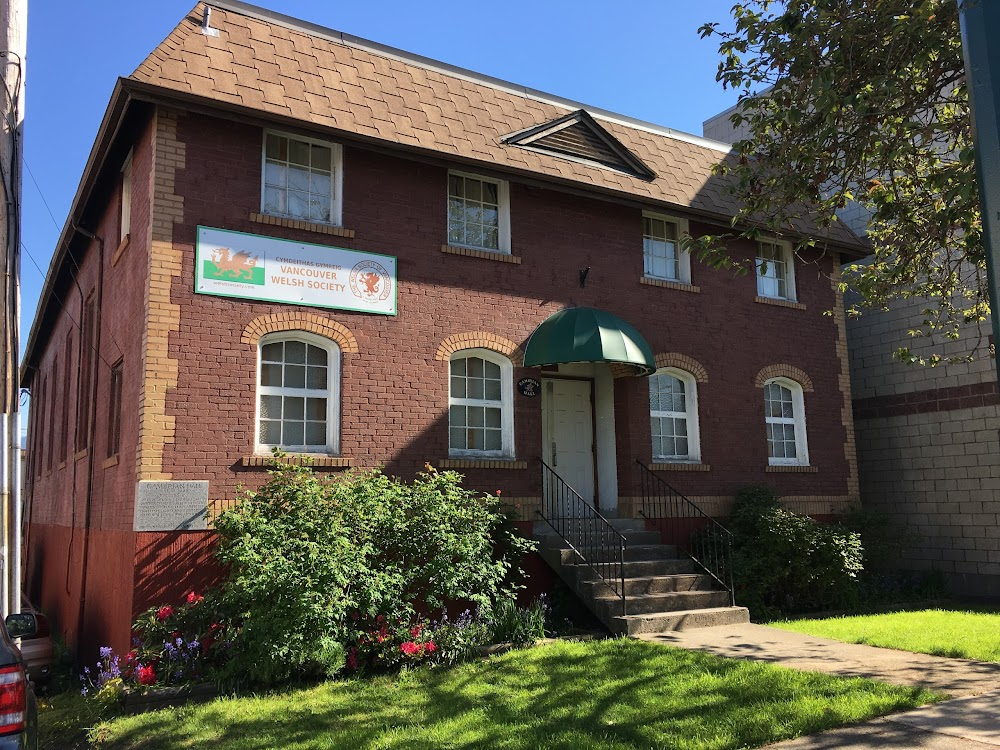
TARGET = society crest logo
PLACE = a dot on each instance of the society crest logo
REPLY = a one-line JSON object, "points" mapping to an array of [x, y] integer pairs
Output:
{"points": [[370, 281]]}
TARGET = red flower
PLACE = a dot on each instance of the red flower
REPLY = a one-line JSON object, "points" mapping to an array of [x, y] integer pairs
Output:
{"points": [[498, 493], [415, 630], [164, 612], [382, 634], [193, 598], [429, 647], [131, 656], [147, 675], [410, 648]]}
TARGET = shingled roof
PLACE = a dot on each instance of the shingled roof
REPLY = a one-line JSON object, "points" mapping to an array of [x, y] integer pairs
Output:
{"points": [[264, 61]]}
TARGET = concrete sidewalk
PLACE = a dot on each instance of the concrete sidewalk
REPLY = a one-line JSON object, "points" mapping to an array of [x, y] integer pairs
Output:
{"points": [[970, 723]]}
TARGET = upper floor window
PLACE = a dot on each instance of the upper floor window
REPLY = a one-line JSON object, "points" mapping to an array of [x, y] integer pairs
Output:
{"points": [[785, 417], [480, 404], [126, 198], [775, 270], [301, 178], [298, 393], [662, 255], [478, 212], [673, 413], [115, 410]]}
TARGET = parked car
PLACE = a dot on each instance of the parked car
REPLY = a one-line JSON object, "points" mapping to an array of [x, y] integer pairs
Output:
{"points": [[37, 648], [18, 708]]}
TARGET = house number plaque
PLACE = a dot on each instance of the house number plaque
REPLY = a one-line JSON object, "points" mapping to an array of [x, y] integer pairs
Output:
{"points": [[529, 387]]}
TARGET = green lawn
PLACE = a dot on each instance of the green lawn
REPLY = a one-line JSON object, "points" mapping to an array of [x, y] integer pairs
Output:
{"points": [[967, 634], [604, 694]]}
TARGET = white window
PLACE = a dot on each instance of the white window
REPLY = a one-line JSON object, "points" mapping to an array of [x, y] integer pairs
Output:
{"points": [[673, 414], [662, 255], [126, 197], [785, 417], [298, 393], [301, 178], [478, 212], [775, 270], [480, 405]]}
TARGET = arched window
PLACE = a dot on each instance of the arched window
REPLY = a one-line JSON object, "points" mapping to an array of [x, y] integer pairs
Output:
{"points": [[785, 417], [480, 405], [673, 415], [298, 393]]}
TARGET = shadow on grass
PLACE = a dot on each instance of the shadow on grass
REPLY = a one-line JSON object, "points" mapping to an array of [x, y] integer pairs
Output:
{"points": [[611, 694]]}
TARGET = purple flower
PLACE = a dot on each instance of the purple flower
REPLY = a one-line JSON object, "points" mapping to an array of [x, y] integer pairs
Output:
{"points": [[105, 652]]}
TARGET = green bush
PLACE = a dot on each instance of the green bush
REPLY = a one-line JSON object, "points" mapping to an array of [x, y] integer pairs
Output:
{"points": [[784, 562], [314, 562]]}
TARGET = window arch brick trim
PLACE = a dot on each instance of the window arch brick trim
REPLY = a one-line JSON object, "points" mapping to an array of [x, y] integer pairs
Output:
{"points": [[683, 362], [784, 371], [479, 340], [300, 321]]}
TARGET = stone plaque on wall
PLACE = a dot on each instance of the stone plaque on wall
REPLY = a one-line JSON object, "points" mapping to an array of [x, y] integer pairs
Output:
{"points": [[171, 506]]}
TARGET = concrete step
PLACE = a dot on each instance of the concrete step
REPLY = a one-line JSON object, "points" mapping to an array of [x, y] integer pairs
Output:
{"points": [[632, 538], [639, 553], [639, 569], [664, 622], [621, 525], [675, 601], [656, 584]]}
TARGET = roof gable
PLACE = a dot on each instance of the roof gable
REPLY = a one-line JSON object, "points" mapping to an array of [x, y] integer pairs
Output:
{"points": [[579, 136]]}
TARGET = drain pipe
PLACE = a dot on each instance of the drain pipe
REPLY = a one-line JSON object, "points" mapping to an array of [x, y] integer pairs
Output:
{"points": [[91, 438]]}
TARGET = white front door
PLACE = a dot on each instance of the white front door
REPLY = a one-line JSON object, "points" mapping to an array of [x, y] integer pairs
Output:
{"points": [[568, 433]]}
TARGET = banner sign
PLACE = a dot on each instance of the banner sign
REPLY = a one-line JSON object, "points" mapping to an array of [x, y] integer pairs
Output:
{"points": [[251, 266]]}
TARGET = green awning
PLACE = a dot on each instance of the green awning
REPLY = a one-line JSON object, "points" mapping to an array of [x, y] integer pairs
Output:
{"points": [[583, 334]]}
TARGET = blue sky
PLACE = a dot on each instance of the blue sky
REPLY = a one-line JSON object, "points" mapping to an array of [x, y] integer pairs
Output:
{"points": [[640, 58]]}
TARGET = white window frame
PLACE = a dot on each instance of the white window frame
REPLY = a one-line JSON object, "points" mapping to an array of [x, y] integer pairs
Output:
{"points": [[690, 414], [125, 211], [503, 211], [506, 405], [788, 256], [336, 177], [332, 392], [798, 420], [683, 256]]}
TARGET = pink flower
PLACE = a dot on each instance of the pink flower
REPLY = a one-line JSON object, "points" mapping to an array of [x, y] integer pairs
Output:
{"points": [[498, 493], [164, 612], [415, 630], [193, 598], [147, 675], [429, 647], [410, 648]]}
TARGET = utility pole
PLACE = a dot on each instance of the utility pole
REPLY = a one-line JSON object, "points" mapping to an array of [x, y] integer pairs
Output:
{"points": [[13, 42], [980, 28]]}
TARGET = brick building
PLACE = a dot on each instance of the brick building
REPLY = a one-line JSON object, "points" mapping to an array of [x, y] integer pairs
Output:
{"points": [[926, 436], [289, 236]]}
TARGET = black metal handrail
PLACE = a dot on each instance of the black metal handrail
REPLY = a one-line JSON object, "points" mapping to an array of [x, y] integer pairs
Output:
{"points": [[710, 545], [589, 534]]}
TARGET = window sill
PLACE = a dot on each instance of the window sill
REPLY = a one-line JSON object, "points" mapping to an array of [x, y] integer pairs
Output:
{"points": [[779, 302], [790, 469], [666, 284], [481, 463], [471, 252], [120, 250], [62, 465], [80, 454], [680, 466], [308, 226], [317, 461], [109, 462]]}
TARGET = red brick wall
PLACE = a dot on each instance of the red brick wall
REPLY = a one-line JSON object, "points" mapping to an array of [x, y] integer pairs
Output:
{"points": [[394, 394]]}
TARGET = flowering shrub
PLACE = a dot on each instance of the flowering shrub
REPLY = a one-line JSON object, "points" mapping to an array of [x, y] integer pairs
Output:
{"points": [[315, 561]]}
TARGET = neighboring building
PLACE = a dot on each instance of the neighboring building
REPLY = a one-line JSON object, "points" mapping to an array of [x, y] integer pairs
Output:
{"points": [[198, 310], [928, 448]]}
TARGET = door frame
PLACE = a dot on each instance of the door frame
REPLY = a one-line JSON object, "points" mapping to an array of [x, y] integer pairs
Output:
{"points": [[546, 405]]}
